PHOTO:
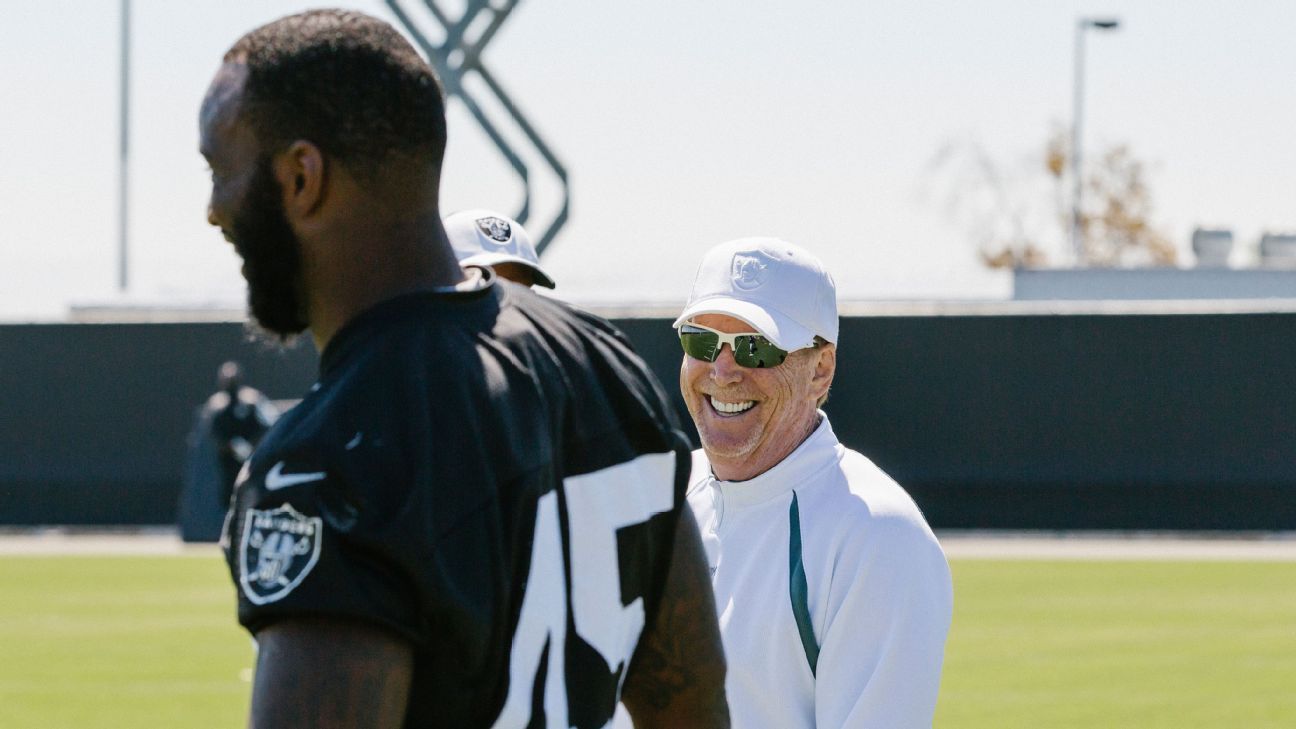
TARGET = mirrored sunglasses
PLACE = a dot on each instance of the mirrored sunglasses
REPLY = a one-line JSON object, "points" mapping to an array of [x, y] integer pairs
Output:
{"points": [[749, 349]]}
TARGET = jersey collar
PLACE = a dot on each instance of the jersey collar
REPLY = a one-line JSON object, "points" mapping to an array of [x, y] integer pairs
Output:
{"points": [[412, 305]]}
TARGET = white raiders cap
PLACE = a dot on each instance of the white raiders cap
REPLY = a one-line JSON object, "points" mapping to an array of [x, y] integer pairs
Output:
{"points": [[779, 288], [485, 237]]}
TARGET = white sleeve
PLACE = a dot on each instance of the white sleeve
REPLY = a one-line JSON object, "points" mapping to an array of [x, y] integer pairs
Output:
{"points": [[890, 603]]}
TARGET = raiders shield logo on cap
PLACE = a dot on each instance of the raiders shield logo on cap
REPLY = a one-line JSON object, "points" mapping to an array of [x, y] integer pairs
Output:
{"points": [[495, 229], [750, 268], [278, 549]]}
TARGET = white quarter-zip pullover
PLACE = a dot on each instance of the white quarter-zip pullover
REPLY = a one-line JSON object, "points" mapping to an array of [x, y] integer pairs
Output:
{"points": [[833, 594]]}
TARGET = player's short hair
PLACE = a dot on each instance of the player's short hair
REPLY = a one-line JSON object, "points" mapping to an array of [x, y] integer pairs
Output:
{"points": [[346, 82]]}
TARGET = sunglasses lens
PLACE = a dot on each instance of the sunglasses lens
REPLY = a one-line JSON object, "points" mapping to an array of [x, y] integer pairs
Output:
{"points": [[756, 351], [749, 350], [699, 345]]}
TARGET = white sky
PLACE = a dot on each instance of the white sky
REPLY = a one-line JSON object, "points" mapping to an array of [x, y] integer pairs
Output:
{"points": [[682, 123]]}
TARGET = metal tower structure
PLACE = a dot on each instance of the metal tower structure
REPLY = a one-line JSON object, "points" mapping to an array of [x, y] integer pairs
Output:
{"points": [[458, 57]]}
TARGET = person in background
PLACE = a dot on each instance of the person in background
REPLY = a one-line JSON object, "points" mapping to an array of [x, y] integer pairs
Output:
{"points": [[476, 516], [241, 416], [226, 430], [487, 238], [833, 594]]}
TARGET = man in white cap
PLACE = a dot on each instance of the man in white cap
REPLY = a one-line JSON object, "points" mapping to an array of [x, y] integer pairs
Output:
{"points": [[487, 238], [833, 594]]}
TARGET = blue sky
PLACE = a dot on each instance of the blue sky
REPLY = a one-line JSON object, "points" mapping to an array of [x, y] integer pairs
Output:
{"points": [[682, 124]]}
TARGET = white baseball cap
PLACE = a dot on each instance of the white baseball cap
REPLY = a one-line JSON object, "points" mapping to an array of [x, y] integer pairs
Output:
{"points": [[485, 238], [779, 288]]}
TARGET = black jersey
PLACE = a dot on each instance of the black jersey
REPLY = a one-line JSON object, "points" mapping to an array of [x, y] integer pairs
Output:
{"points": [[493, 475]]}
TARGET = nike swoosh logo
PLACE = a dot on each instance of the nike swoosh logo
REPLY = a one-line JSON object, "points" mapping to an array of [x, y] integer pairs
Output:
{"points": [[276, 479]]}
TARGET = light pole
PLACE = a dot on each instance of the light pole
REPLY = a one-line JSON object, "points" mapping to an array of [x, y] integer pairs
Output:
{"points": [[123, 170], [1082, 24]]}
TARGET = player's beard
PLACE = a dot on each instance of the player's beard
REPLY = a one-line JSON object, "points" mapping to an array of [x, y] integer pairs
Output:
{"points": [[271, 257]]}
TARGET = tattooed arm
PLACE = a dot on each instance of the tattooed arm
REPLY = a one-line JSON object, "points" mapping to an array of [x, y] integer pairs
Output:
{"points": [[330, 674], [677, 676]]}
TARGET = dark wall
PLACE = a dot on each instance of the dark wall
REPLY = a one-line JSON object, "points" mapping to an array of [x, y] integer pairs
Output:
{"points": [[1070, 422], [93, 418], [1041, 421]]}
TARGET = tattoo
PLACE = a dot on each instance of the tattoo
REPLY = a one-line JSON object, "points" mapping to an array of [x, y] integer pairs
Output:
{"points": [[678, 670]]}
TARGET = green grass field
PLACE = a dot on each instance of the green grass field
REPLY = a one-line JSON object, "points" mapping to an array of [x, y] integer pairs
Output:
{"points": [[120, 642], [1121, 644], [109, 642]]}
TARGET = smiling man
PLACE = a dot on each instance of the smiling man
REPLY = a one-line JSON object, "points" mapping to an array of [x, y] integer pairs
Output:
{"points": [[833, 594]]}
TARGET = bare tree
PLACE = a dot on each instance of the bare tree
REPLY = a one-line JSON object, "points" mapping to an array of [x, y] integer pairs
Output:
{"points": [[1115, 224], [1011, 222], [996, 207]]}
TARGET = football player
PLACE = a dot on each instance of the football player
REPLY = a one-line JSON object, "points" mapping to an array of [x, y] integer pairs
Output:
{"points": [[475, 518]]}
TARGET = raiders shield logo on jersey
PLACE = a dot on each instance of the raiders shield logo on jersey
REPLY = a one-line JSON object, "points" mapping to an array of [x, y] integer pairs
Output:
{"points": [[495, 229], [278, 549]]}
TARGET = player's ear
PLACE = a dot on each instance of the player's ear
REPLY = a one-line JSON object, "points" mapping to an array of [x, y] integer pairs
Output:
{"points": [[301, 170]]}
